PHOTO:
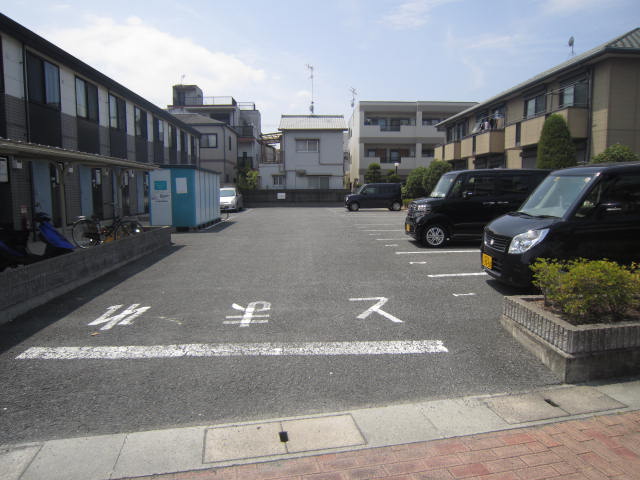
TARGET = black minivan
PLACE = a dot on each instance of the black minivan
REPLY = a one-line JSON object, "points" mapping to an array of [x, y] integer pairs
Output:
{"points": [[590, 212], [375, 195], [464, 201]]}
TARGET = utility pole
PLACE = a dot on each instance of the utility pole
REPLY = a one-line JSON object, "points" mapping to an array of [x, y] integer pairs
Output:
{"points": [[310, 68]]}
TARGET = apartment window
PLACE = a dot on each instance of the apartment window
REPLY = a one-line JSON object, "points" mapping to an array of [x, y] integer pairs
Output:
{"points": [[574, 94], [427, 152], [429, 122], [535, 105], [229, 142], [320, 182], [209, 140], [183, 141], [279, 180], [308, 145], [173, 135], [140, 119], [86, 100], [117, 113], [158, 130], [43, 81]]}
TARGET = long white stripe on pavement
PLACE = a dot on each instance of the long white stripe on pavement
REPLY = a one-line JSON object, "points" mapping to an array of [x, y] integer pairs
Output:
{"points": [[234, 350], [428, 252]]}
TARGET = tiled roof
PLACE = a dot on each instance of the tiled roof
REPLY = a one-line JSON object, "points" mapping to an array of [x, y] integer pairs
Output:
{"points": [[312, 122], [629, 42]]}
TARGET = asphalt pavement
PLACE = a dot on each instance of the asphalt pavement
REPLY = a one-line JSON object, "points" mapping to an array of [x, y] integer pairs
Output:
{"points": [[274, 313]]}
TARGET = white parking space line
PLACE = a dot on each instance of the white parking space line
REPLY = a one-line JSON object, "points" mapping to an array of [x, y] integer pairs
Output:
{"points": [[395, 230], [444, 275], [235, 350], [428, 252]]}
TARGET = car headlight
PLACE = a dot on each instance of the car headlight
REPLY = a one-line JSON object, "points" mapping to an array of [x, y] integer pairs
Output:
{"points": [[525, 241], [423, 208]]}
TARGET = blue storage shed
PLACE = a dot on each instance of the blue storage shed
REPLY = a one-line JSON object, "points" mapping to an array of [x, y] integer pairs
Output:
{"points": [[184, 196]]}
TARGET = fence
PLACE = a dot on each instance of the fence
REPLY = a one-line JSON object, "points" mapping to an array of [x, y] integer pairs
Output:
{"points": [[253, 198]]}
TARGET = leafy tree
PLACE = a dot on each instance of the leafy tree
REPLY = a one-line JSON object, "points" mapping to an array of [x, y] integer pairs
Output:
{"points": [[414, 187], [373, 173], [247, 180], [616, 153], [392, 177], [555, 147], [434, 171]]}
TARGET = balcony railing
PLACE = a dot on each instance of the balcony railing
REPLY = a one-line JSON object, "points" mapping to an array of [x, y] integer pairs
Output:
{"points": [[244, 130]]}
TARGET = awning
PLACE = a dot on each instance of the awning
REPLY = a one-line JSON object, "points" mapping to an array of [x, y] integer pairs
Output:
{"points": [[56, 154]]}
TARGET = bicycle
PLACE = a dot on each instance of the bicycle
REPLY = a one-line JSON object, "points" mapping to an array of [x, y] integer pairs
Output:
{"points": [[89, 232]]}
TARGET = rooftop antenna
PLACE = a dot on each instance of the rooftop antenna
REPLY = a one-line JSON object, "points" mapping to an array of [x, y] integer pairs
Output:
{"points": [[571, 41], [353, 96], [310, 67], [182, 78]]}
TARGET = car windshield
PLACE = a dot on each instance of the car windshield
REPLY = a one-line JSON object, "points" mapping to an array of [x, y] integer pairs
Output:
{"points": [[359, 191], [227, 192], [442, 187], [555, 195]]}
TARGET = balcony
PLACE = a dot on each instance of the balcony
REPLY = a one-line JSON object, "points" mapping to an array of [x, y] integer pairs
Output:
{"points": [[244, 130], [452, 151], [427, 132], [531, 130], [577, 119], [489, 142]]}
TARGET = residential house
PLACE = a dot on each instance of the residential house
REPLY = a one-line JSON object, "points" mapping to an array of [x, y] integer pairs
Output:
{"points": [[399, 136], [74, 141], [218, 143], [243, 117], [311, 152], [597, 93]]}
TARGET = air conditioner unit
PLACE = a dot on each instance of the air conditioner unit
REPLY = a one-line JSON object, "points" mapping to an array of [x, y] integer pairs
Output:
{"points": [[301, 173]]}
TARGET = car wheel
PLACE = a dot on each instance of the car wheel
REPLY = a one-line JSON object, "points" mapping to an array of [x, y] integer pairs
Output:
{"points": [[395, 206], [434, 236], [354, 207]]}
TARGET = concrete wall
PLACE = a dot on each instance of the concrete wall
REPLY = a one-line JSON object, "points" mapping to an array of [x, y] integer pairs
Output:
{"points": [[33, 285], [256, 198]]}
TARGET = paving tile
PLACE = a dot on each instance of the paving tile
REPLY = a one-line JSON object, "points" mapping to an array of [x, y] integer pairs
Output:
{"points": [[14, 461], [524, 408], [440, 474], [470, 470], [243, 441], [322, 433], [538, 473]]}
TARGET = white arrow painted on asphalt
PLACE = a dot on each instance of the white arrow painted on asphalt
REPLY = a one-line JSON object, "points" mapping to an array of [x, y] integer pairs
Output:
{"points": [[376, 308]]}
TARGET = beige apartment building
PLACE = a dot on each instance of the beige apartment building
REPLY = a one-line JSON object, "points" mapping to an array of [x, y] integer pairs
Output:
{"points": [[399, 136], [597, 93]]}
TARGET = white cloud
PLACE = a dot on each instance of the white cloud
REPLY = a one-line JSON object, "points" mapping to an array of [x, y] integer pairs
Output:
{"points": [[565, 7], [413, 13], [149, 61]]}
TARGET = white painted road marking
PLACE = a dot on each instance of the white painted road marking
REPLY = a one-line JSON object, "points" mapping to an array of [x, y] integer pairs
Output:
{"points": [[463, 294], [442, 275], [423, 252], [392, 245], [123, 318], [376, 308], [407, 347], [417, 263], [247, 318]]}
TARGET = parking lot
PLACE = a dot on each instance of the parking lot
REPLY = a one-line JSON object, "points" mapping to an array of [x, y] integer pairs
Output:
{"points": [[274, 312]]}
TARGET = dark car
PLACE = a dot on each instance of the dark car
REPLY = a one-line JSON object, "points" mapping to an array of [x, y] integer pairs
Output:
{"points": [[375, 195], [464, 201], [588, 212]]}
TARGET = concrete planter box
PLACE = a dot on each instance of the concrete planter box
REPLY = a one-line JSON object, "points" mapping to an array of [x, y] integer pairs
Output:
{"points": [[29, 286], [576, 353]]}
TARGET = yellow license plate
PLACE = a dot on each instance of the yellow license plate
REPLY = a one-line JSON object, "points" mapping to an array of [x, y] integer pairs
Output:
{"points": [[487, 261], [407, 227]]}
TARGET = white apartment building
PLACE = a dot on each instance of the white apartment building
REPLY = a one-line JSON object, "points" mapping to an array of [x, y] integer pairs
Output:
{"points": [[399, 136], [311, 153]]}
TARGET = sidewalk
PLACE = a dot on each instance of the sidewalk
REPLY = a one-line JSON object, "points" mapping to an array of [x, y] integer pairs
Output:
{"points": [[569, 432]]}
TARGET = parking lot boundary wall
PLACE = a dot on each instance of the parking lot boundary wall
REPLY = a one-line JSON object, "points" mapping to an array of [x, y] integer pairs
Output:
{"points": [[30, 286], [275, 197]]}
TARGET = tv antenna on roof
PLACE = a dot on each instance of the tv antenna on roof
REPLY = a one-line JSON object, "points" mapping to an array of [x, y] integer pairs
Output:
{"points": [[353, 96], [182, 78], [310, 67], [571, 41]]}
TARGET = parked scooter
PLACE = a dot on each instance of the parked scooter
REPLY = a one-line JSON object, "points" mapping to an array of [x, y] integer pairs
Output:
{"points": [[14, 250]]}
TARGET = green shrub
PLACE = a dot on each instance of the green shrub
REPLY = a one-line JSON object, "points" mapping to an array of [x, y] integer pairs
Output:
{"points": [[588, 291], [616, 153]]}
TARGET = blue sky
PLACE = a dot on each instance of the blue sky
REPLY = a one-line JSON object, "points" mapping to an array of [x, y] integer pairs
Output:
{"points": [[257, 51]]}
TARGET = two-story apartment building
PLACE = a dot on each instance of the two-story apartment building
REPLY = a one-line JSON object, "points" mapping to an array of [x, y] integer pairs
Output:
{"points": [[311, 153], [242, 117], [73, 141], [218, 143], [400, 136], [597, 93]]}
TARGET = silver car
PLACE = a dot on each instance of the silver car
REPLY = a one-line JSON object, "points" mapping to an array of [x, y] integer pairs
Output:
{"points": [[230, 199]]}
